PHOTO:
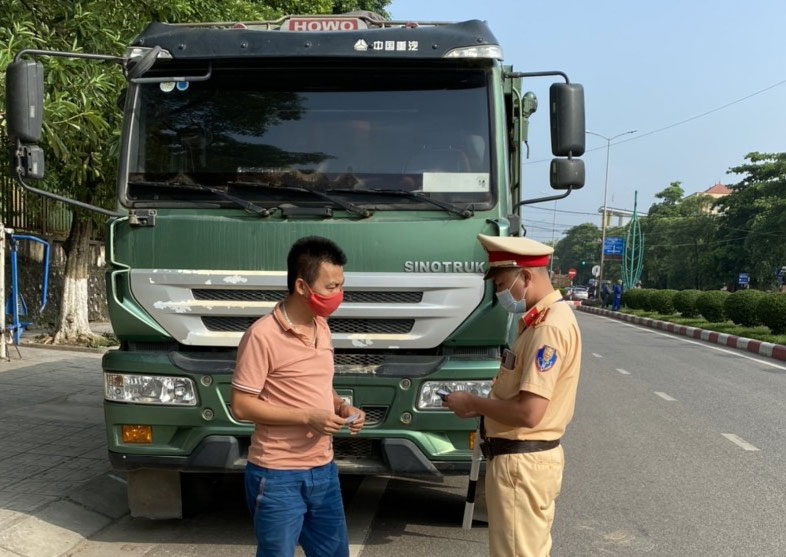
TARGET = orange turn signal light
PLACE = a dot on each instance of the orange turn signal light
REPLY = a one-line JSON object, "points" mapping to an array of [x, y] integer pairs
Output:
{"points": [[472, 440], [137, 433]]}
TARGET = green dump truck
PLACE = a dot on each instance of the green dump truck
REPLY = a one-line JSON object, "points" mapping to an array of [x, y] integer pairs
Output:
{"points": [[400, 141]]}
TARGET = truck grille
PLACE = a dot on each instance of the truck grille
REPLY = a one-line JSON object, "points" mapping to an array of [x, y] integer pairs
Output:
{"points": [[350, 296], [337, 325], [352, 359], [356, 449], [375, 415]]}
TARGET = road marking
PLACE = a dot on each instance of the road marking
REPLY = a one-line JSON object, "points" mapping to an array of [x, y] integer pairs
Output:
{"points": [[676, 337], [739, 442], [664, 396], [362, 510], [596, 355], [119, 479], [623, 372]]}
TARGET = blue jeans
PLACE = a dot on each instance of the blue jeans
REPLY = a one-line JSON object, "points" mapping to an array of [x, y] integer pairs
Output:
{"points": [[291, 506]]}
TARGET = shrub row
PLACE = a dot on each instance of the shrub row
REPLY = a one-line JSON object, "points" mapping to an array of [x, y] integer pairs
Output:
{"points": [[747, 308]]}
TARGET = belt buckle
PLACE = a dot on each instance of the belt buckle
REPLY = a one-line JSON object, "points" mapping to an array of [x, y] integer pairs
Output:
{"points": [[485, 448]]}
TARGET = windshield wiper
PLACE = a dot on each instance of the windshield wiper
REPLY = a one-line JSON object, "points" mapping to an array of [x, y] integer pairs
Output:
{"points": [[465, 213], [247, 206], [348, 207]]}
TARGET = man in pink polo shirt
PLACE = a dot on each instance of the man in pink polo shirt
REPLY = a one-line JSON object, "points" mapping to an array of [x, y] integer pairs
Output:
{"points": [[283, 382]]}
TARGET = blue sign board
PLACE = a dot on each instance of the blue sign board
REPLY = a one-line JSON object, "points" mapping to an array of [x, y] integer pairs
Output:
{"points": [[744, 278], [614, 245]]}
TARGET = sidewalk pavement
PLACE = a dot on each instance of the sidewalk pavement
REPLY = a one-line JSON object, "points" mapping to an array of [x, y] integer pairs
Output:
{"points": [[768, 349], [55, 482]]}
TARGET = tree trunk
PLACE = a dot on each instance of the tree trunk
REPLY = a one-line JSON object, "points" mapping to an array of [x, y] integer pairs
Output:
{"points": [[73, 325]]}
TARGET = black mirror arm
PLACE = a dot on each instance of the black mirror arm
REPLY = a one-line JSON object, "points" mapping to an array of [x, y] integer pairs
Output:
{"points": [[56, 197], [515, 75], [66, 200], [544, 199], [36, 52]]}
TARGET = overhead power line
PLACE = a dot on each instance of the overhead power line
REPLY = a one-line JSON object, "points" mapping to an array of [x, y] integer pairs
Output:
{"points": [[678, 123]]}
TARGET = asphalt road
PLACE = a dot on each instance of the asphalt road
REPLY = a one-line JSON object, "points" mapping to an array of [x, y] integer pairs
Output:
{"points": [[677, 448]]}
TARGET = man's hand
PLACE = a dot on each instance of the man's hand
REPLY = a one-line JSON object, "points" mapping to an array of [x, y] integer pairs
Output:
{"points": [[325, 422], [462, 404], [345, 411]]}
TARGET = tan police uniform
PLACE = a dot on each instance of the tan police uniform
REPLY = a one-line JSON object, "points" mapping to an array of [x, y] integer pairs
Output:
{"points": [[521, 488]]}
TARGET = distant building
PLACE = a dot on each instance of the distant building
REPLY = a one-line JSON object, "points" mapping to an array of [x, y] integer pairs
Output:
{"points": [[712, 194], [623, 216]]}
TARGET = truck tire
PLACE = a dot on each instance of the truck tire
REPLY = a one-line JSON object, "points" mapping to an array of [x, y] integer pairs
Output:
{"points": [[155, 494]]}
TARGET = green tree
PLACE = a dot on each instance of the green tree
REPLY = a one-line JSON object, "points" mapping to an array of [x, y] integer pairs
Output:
{"points": [[580, 249], [752, 224], [81, 118], [679, 232]]}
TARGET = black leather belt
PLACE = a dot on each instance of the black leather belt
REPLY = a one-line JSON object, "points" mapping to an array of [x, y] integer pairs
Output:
{"points": [[495, 446]]}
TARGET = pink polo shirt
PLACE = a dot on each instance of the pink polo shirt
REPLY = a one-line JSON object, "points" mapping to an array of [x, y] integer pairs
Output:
{"points": [[286, 370]]}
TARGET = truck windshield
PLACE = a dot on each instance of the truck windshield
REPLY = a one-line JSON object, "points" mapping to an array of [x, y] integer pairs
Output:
{"points": [[417, 130]]}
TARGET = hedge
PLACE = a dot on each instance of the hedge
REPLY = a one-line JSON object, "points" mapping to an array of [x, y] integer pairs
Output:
{"points": [[645, 299], [710, 305], [629, 298], [685, 302], [742, 307], [662, 301], [771, 310]]}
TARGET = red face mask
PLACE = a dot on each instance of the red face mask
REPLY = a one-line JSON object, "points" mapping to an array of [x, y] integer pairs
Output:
{"points": [[324, 305]]}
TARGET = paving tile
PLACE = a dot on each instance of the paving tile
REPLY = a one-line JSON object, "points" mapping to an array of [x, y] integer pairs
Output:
{"points": [[53, 531], [23, 502], [39, 487], [103, 494]]}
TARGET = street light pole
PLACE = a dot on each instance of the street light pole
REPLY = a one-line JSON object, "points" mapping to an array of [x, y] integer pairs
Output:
{"points": [[605, 191], [553, 228]]}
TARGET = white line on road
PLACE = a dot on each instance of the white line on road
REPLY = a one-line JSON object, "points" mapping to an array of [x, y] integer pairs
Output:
{"points": [[664, 396], [362, 510], [739, 442], [596, 355], [623, 372], [119, 479], [676, 337]]}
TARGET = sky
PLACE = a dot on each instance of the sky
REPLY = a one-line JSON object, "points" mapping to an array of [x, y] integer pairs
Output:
{"points": [[644, 66]]}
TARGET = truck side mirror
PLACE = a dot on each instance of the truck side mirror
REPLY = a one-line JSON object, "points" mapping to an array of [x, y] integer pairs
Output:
{"points": [[566, 105], [24, 101], [566, 173]]}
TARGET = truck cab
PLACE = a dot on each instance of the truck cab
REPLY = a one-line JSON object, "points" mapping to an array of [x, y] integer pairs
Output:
{"points": [[399, 141]]}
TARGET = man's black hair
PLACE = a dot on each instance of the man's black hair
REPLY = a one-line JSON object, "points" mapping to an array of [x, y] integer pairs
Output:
{"points": [[305, 257]]}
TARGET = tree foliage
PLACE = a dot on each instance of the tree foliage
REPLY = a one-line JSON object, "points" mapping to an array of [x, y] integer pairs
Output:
{"points": [[580, 250], [752, 225], [696, 242]]}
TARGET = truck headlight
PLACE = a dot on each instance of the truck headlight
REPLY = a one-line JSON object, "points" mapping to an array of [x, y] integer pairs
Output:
{"points": [[149, 389], [428, 399]]}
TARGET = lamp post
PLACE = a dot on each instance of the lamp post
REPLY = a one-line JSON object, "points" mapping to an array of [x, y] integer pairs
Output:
{"points": [[605, 191], [553, 230]]}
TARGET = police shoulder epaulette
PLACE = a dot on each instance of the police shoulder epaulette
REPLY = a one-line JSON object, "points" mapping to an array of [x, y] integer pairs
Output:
{"points": [[541, 318]]}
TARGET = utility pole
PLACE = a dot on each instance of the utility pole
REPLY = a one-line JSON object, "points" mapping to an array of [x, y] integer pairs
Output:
{"points": [[605, 191], [553, 228]]}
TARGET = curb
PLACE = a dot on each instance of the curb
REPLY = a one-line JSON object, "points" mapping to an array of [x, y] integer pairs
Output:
{"points": [[62, 347], [768, 349]]}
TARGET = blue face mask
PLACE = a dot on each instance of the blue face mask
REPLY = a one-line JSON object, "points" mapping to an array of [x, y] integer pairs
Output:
{"points": [[511, 304]]}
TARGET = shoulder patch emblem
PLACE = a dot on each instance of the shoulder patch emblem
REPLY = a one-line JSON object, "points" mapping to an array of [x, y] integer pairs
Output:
{"points": [[546, 358]]}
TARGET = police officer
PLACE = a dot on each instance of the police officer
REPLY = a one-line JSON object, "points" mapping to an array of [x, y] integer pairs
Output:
{"points": [[531, 402]]}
